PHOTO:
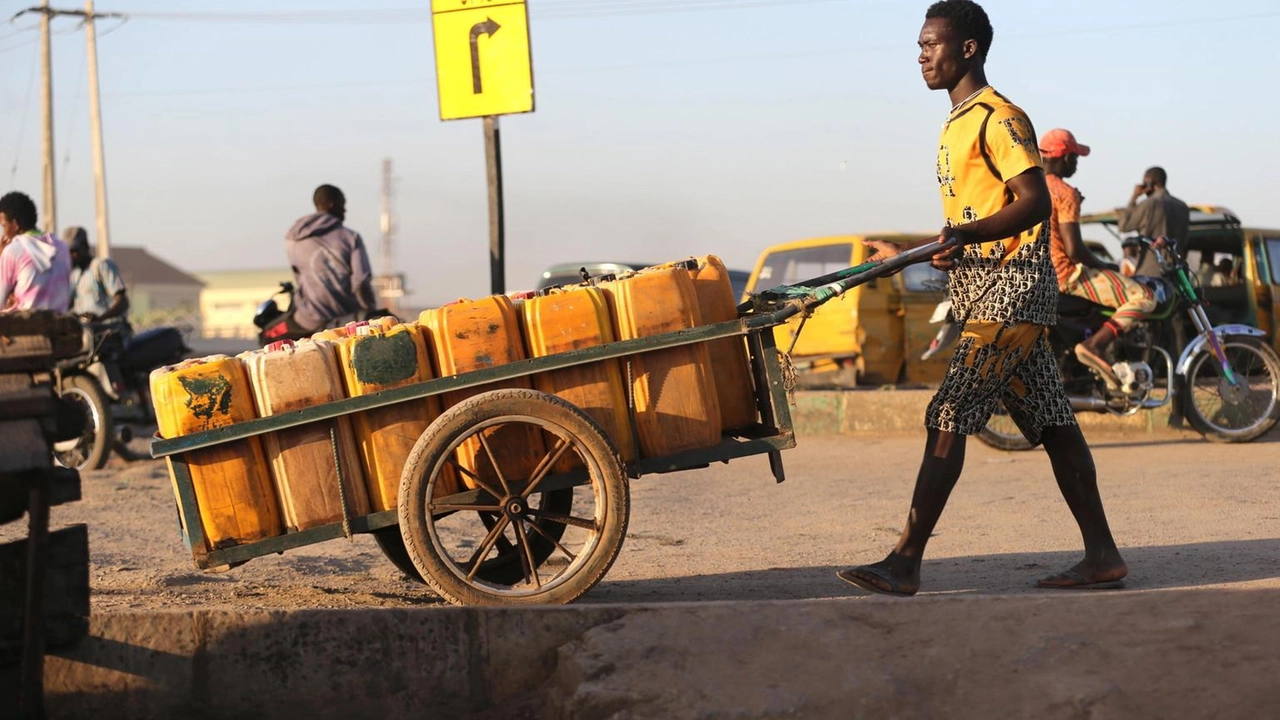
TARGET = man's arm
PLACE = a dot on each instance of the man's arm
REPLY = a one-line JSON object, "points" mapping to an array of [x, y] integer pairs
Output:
{"points": [[1031, 206], [362, 277], [108, 275], [1077, 251], [1135, 217]]}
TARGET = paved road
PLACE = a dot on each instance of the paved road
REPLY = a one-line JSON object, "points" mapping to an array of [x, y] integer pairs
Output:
{"points": [[1189, 514]]}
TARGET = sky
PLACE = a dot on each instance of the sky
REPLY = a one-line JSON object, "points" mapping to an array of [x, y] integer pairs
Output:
{"points": [[663, 128]]}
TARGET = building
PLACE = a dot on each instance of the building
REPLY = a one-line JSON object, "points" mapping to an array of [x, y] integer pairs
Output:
{"points": [[159, 293], [231, 297]]}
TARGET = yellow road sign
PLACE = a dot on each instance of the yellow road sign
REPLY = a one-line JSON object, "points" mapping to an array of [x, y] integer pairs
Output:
{"points": [[483, 62]]}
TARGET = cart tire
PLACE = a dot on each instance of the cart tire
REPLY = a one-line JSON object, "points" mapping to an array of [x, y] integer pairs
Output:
{"points": [[459, 553]]}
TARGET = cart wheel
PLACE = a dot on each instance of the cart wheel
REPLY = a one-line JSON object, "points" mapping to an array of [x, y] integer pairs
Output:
{"points": [[505, 568], [513, 542]]}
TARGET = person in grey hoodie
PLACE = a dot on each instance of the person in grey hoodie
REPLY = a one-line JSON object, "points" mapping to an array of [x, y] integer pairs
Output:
{"points": [[330, 266]]}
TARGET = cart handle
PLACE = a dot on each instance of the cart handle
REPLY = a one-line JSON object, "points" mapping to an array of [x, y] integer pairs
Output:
{"points": [[819, 290]]}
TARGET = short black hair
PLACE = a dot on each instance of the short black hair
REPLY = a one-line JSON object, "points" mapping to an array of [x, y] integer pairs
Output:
{"points": [[1158, 175], [327, 197], [20, 209], [967, 18]]}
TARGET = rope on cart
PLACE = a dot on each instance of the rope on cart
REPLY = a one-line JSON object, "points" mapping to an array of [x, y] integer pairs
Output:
{"points": [[342, 490]]}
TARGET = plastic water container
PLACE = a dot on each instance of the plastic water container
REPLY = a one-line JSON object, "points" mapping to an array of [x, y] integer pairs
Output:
{"points": [[470, 335], [565, 319], [287, 377], [730, 366], [381, 357], [675, 398], [351, 328], [231, 481]]}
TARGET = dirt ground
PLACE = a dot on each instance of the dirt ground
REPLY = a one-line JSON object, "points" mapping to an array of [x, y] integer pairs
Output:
{"points": [[1188, 514]]}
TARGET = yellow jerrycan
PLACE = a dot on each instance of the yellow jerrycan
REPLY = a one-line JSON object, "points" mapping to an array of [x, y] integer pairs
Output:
{"points": [[730, 366], [288, 376], [231, 481], [470, 335], [382, 357], [571, 318], [675, 398]]}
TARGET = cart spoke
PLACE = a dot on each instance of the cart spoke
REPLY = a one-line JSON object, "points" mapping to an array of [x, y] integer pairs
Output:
{"points": [[449, 507], [485, 547], [531, 568], [553, 541], [493, 459], [491, 519], [586, 523], [544, 466], [474, 477]]}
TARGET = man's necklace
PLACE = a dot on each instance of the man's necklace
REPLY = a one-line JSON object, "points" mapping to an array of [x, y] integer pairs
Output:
{"points": [[958, 105]]}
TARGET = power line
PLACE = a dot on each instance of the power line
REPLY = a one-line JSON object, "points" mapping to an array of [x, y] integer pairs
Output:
{"points": [[22, 124]]}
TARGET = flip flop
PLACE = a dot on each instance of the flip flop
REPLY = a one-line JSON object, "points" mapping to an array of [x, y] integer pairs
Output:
{"points": [[864, 576], [1077, 582], [1098, 365]]}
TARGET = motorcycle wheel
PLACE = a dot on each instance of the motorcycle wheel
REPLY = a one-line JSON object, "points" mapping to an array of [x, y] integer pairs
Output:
{"points": [[1002, 432], [91, 449], [1223, 413]]}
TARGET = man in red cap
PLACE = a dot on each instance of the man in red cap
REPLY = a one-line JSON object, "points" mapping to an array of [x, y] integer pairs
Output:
{"points": [[1079, 271]]}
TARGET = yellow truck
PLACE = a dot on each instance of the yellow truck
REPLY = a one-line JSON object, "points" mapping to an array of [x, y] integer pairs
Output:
{"points": [[873, 334]]}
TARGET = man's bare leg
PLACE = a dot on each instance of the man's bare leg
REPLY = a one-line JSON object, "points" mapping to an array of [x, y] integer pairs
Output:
{"points": [[899, 573], [1078, 481]]}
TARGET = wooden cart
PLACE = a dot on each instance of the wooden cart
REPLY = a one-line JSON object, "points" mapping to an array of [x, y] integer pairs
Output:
{"points": [[551, 536]]}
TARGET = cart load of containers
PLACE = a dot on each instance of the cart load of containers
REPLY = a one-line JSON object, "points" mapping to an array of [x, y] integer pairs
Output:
{"points": [[651, 404]]}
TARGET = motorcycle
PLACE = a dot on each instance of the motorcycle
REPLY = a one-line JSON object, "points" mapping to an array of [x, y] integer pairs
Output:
{"points": [[273, 323], [1225, 382], [107, 386]]}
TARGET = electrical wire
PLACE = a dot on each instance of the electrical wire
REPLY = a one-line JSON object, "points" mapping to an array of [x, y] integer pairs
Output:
{"points": [[22, 124], [565, 10], [81, 89]]}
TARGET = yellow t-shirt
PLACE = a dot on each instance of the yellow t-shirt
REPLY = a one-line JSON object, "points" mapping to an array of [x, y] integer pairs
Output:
{"points": [[987, 141]]}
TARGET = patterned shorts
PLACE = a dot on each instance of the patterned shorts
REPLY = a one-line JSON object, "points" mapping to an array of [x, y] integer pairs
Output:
{"points": [[998, 362]]}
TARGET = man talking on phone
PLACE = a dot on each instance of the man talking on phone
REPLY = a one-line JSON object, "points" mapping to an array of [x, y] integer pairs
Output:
{"points": [[1159, 214]]}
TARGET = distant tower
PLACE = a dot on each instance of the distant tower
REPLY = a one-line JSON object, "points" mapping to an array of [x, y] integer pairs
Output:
{"points": [[388, 223], [389, 283]]}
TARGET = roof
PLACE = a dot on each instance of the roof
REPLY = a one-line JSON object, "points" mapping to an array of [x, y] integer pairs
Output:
{"points": [[1200, 215], [240, 279], [139, 267]]}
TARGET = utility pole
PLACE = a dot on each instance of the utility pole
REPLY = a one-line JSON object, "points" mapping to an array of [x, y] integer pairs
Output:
{"points": [[99, 169], [46, 96], [95, 115]]}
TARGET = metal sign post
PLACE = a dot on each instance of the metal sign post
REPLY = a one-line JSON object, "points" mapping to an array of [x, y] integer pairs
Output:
{"points": [[484, 68], [497, 236]]}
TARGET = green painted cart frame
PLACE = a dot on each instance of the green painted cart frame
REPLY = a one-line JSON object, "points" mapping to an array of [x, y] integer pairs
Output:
{"points": [[417, 546]]}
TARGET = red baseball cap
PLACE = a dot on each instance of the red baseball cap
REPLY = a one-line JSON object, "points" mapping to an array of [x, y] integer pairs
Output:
{"points": [[1058, 143]]}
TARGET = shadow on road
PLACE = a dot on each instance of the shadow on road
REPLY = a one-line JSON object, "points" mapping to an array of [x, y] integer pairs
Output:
{"points": [[1150, 568]]}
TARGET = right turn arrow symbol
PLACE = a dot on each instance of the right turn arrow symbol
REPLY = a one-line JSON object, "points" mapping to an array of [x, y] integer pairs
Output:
{"points": [[488, 27]]}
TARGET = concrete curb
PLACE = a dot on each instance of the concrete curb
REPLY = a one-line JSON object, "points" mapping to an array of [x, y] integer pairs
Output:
{"points": [[841, 412], [1153, 654]]}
